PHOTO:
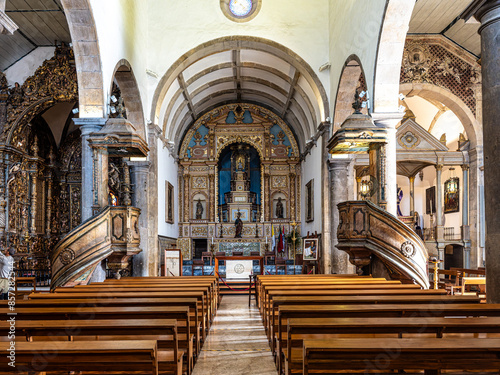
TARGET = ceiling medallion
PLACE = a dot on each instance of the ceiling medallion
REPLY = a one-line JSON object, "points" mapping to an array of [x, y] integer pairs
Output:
{"points": [[240, 10], [408, 249]]}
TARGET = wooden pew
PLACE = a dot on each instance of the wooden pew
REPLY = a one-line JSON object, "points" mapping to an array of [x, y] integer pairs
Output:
{"points": [[359, 300], [164, 331], [472, 281], [352, 292], [120, 316], [126, 295], [334, 328], [207, 298], [378, 310], [101, 356], [430, 355]]}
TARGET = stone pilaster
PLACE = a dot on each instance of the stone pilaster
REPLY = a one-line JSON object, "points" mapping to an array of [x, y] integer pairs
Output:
{"points": [[389, 121], [489, 16], [324, 130], [146, 262], [88, 126], [154, 133], [465, 229], [335, 260], [412, 194]]}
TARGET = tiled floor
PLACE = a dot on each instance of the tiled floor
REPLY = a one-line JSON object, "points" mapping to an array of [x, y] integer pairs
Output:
{"points": [[237, 343]]}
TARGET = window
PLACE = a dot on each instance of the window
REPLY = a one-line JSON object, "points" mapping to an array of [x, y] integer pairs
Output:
{"points": [[240, 10]]}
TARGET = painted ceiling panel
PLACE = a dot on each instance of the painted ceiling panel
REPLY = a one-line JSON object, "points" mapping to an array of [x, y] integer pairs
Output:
{"points": [[211, 90], [210, 77], [266, 59], [211, 60]]}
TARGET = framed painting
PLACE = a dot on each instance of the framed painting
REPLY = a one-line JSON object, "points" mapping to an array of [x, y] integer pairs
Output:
{"points": [[310, 249], [430, 200], [451, 195], [310, 201], [169, 203]]}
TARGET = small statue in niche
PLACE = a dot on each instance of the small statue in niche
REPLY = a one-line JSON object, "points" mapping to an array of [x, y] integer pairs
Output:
{"points": [[238, 226], [199, 209], [279, 209]]}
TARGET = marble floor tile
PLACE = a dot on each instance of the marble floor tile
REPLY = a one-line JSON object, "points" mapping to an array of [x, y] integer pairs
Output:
{"points": [[237, 343]]}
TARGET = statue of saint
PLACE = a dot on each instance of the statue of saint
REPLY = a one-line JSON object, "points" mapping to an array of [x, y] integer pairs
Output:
{"points": [[279, 209], [199, 209], [238, 226]]}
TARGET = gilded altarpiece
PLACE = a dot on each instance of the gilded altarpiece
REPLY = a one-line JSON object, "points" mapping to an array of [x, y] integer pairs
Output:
{"points": [[40, 182], [237, 160]]}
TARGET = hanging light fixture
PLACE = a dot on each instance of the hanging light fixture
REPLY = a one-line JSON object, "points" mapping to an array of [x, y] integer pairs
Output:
{"points": [[365, 188], [452, 182]]}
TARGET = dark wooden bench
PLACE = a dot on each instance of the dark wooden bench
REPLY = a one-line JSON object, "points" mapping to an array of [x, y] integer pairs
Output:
{"points": [[164, 331], [377, 310], [334, 328], [99, 356], [121, 315], [387, 354]]}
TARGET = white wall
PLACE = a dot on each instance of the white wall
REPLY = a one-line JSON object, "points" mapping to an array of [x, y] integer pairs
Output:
{"points": [[25, 67], [354, 28], [167, 171], [311, 169]]}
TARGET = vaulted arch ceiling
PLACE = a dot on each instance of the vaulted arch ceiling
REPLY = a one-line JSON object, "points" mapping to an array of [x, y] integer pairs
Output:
{"points": [[244, 69]]}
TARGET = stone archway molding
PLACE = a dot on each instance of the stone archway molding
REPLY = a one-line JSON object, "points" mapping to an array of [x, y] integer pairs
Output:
{"points": [[454, 103], [87, 57], [230, 43], [131, 95]]}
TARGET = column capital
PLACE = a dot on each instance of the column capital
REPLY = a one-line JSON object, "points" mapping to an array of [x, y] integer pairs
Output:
{"points": [[335, 164], [139, 166], [465, 167], [439, 167], [487, 12], [412, 179], [89, 125], [387, 119]]}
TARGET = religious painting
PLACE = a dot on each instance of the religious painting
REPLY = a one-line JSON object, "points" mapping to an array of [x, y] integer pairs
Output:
{"points": [[169, 202], [310, 201], [310, 249], [451, 195], [430, 200]]}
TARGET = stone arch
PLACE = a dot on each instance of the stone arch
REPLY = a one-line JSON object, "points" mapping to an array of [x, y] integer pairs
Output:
{"points": [[239, 43], [87, 57], [390, 54], [453, 102], [131, 95], [349, 80], [243, 139]]}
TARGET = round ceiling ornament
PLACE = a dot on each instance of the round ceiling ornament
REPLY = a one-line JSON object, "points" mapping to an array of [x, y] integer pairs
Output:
{"points": [[240, 10]]}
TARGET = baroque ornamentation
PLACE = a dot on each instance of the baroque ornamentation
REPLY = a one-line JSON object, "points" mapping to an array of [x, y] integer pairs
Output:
{"points": [[199, 182], [408, 249], [409, 140], [417, 61], [199, 231], [67, 256], [279, 182]]}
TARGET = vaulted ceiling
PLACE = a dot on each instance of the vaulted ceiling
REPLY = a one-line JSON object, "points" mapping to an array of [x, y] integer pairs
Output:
{"points": [[443, 17], [41, 23], [251, 71]]}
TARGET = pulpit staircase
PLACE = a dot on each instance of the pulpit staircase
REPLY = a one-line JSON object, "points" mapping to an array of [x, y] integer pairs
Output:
{"points": [[112, 234], [378, 242]]}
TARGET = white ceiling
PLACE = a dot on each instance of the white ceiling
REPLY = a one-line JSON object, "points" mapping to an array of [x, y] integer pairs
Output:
{"points": [[443, 17], [248, 75], [41, 24]]}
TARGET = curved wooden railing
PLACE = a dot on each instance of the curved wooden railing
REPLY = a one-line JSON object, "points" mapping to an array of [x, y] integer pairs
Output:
{"points": [[373, 237], [113, 234]]}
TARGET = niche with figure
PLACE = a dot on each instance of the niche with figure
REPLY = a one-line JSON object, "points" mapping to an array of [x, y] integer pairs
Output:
{"points": [[199, 207], [279, 206]]}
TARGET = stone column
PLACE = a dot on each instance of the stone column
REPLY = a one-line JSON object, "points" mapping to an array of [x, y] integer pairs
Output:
{"points": [[326, 225], [439, 215], [489, 16], [389, 121], [146, 262], [87, 126], [412, 194], [335, 260], [465, 215], [154, 133]]}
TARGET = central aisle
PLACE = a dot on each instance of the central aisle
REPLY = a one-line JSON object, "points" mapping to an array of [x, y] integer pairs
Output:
{"points": [[237, 343]]}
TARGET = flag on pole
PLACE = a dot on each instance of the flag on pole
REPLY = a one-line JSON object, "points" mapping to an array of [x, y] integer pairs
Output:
{"points": [[273, 239], [280, 241]]}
